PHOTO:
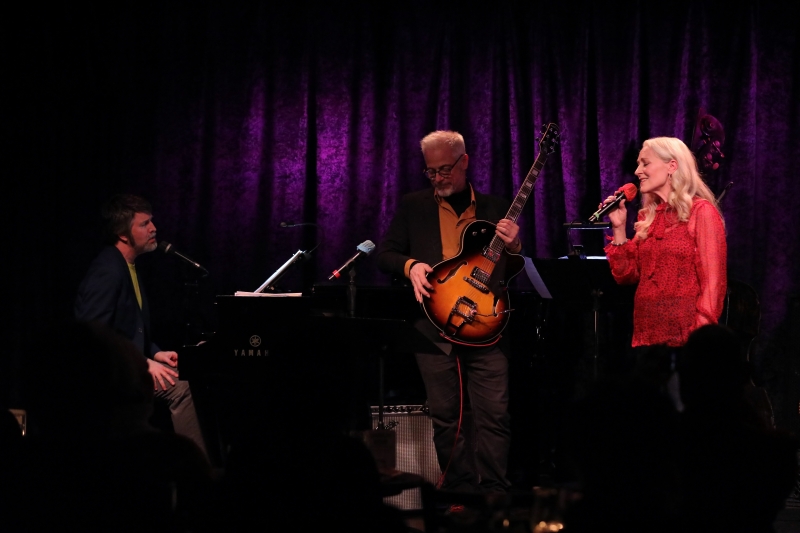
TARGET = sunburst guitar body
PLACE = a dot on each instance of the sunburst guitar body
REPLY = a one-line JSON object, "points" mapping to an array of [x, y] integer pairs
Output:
{"points": [[469, 303]]}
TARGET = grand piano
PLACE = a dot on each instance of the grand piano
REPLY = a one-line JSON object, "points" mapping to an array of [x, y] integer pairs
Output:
{"points": [[256, 332], [316, 358]]}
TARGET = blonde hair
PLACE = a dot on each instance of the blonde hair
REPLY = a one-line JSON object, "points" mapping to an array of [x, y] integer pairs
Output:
{"points": [[685, 183], [453, 139]]}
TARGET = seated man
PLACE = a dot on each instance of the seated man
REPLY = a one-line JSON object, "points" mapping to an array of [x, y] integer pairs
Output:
{"points": [[111, 293]]}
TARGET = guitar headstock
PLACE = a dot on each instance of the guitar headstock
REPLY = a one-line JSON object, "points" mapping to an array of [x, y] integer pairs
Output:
{"points": [[549, 139]]}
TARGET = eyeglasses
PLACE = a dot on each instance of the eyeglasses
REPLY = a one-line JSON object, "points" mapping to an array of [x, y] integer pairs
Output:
{"points": [[443, 171]]}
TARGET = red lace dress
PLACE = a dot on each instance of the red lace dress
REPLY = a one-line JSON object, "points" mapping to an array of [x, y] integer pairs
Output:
{"points": [[681, 269]]}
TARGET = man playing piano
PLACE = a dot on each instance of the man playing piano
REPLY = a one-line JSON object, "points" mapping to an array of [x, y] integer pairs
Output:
{"points": [[111, 293]]}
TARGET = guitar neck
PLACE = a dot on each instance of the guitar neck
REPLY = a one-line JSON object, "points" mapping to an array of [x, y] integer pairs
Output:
{"points": [[525, 191]]}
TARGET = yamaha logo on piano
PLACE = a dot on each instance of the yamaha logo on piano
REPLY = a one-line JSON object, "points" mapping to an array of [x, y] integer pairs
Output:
{"points": [[255, 351]]}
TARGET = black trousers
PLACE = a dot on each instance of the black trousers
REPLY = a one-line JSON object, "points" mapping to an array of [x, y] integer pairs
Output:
{"points": [[475, 460]]}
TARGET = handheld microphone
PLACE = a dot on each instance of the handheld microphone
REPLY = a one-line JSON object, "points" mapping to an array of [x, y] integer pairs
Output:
{"points": [[365, 248], [626, 192], [167, 248]]}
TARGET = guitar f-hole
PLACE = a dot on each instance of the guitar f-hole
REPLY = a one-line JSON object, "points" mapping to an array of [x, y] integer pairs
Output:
{"points": [[452, 272]]}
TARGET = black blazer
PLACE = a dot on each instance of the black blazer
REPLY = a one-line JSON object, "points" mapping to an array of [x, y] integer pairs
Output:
{"points": [[414, 231], [106, 294]]}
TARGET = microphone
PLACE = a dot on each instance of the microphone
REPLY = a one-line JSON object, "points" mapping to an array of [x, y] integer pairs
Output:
{"points": [[365, 248], [167, 248], [626, 192]]}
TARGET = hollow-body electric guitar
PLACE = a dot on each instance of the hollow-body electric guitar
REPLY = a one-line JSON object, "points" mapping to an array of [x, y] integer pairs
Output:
{"points": [[469, 303]]}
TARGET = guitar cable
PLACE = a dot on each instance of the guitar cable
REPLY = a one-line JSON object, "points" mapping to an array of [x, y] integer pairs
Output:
{"points": [[458, 427]]}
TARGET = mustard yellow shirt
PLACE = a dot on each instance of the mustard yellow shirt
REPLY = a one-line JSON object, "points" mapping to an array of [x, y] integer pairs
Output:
{"points": [[135, 278], [451, 226]]}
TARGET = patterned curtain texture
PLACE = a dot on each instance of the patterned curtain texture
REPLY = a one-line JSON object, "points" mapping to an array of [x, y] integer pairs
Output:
{"points": [[233, 118]]}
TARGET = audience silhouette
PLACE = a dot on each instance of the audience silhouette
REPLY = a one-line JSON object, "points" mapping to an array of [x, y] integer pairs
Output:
{"points": [[90, 460], [623, 441], [94, 463], [717, 465], [737, 470]]}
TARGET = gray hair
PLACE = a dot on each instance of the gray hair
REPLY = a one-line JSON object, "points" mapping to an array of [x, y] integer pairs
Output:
{"points": [[453, 139]]}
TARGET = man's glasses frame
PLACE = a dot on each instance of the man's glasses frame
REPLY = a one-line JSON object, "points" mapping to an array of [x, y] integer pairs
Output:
{"points": [[443, 171]]}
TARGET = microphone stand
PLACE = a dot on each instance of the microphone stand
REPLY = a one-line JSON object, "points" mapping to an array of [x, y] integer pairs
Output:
{"points": [[351, 312], [190, 304], [351, 293], [577, 253], [724, 192], [298, 256]]}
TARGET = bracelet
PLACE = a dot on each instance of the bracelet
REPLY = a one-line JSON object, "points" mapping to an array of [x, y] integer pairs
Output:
{"points": [[412, 266], [613, 243]]}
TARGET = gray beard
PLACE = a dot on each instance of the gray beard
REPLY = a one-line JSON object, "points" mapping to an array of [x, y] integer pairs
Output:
{"points": [[444, 193], [147, 247]]}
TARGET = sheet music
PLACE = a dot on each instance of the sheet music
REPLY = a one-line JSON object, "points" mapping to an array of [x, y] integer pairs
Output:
{"points": [[536, 279], [269, 294]]}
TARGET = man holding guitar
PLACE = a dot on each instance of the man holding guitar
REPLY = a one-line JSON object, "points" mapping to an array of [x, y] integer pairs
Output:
{"points": [[426, 230]]}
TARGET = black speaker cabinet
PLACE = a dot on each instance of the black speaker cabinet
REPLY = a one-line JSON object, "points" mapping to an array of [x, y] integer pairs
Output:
{"points": [[415, 451]]}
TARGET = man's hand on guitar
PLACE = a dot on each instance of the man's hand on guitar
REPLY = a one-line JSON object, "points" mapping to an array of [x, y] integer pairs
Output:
{"points": [[508, 232], [419, 280]]}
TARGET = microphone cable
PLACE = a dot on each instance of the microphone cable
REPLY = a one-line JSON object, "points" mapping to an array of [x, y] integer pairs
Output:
{"points": [[458, 427]]}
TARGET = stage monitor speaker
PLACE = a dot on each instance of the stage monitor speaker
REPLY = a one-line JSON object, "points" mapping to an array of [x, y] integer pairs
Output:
{"points": [[415, 451]]}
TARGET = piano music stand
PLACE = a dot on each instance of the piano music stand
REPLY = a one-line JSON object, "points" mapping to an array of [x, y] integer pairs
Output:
{"points": [[579, 279]]}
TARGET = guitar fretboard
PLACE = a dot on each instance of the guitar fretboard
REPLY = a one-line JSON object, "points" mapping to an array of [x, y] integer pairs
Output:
{"points": [[525, 191]]}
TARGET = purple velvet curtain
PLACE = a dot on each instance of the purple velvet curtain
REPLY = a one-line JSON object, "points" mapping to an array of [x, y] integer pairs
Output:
{"points": [[234, 117]]}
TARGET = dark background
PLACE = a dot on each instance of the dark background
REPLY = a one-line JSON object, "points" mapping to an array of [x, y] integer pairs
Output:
{"points": [[234, 117]]}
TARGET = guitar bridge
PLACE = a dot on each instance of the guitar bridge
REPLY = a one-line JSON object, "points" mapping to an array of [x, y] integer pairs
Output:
{"points": [[480, 286], [464, 308]]}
